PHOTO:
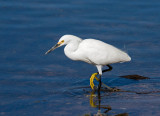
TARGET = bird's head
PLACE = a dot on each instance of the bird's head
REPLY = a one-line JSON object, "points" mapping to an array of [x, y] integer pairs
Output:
{"points": [[62, 41]]}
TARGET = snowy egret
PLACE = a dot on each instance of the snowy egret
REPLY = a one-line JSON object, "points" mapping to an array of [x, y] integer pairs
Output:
{"points": [[91, 51]]}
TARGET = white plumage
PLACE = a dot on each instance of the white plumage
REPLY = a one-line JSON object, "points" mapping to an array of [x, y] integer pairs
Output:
{"points": [[91, 51]]}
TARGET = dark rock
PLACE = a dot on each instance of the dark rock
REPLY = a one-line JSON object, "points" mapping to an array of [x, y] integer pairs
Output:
{"points": [[135, 77]]}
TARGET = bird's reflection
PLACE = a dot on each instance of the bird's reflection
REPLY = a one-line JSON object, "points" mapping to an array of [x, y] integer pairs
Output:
{"points": [[95, 97], [95, 102]]}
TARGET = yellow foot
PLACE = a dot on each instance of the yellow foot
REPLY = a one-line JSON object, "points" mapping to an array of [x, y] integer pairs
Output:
{"points": [[92, 84], [92, 79]]}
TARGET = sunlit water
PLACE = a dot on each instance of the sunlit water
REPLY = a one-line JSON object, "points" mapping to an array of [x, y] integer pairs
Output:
{"points": [[32, 84]]}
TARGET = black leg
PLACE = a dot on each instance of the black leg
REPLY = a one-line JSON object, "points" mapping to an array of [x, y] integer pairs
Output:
{"points": [[111, 89], [110, 68], [100, 83]]}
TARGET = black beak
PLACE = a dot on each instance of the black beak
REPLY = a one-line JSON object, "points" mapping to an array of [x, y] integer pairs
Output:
{"points": [[53, 48]]}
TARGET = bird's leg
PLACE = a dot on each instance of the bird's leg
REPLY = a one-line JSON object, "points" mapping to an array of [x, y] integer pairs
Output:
{"points": [[110, 68], [99, 79], [95, 74], [100, 83], [99, 67], [109, 88]]}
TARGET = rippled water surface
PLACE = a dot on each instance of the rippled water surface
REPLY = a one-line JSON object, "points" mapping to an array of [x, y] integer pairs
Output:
{"points": [[32, 84]]}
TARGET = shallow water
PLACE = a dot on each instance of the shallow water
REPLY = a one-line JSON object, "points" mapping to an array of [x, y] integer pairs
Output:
{"points": [[34, 84]]}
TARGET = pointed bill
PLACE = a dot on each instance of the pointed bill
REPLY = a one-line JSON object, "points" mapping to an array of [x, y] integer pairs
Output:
{"points": [[53, 48]]}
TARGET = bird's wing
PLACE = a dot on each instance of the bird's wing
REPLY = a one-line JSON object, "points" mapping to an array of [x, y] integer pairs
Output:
{"points": [[99, 52]]}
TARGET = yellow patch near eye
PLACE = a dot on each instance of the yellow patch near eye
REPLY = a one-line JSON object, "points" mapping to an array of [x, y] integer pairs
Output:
{"points": [[61, 42]]}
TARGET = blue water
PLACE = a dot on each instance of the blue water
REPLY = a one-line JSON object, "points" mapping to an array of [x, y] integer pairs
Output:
{"points": [[32, 84]]}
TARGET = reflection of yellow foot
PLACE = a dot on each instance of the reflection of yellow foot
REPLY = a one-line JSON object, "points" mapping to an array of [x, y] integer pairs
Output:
{"points": [[92, 102], [92, 79]]}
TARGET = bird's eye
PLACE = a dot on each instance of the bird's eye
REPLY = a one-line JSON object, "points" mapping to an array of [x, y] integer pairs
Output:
{"points": [[62, 41]]}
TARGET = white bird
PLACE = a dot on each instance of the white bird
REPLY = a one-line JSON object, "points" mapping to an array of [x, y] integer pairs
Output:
{"points": [[91, 51]]}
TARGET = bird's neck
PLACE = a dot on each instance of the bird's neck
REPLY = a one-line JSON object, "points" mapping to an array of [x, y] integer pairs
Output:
{"points": [[70, 50]]}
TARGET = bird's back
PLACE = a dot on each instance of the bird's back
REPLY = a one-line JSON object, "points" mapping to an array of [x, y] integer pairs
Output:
{"points": [[98, 52]]}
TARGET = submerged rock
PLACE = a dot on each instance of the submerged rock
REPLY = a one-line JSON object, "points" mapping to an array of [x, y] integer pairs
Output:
{"points": [[135, 77]]}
